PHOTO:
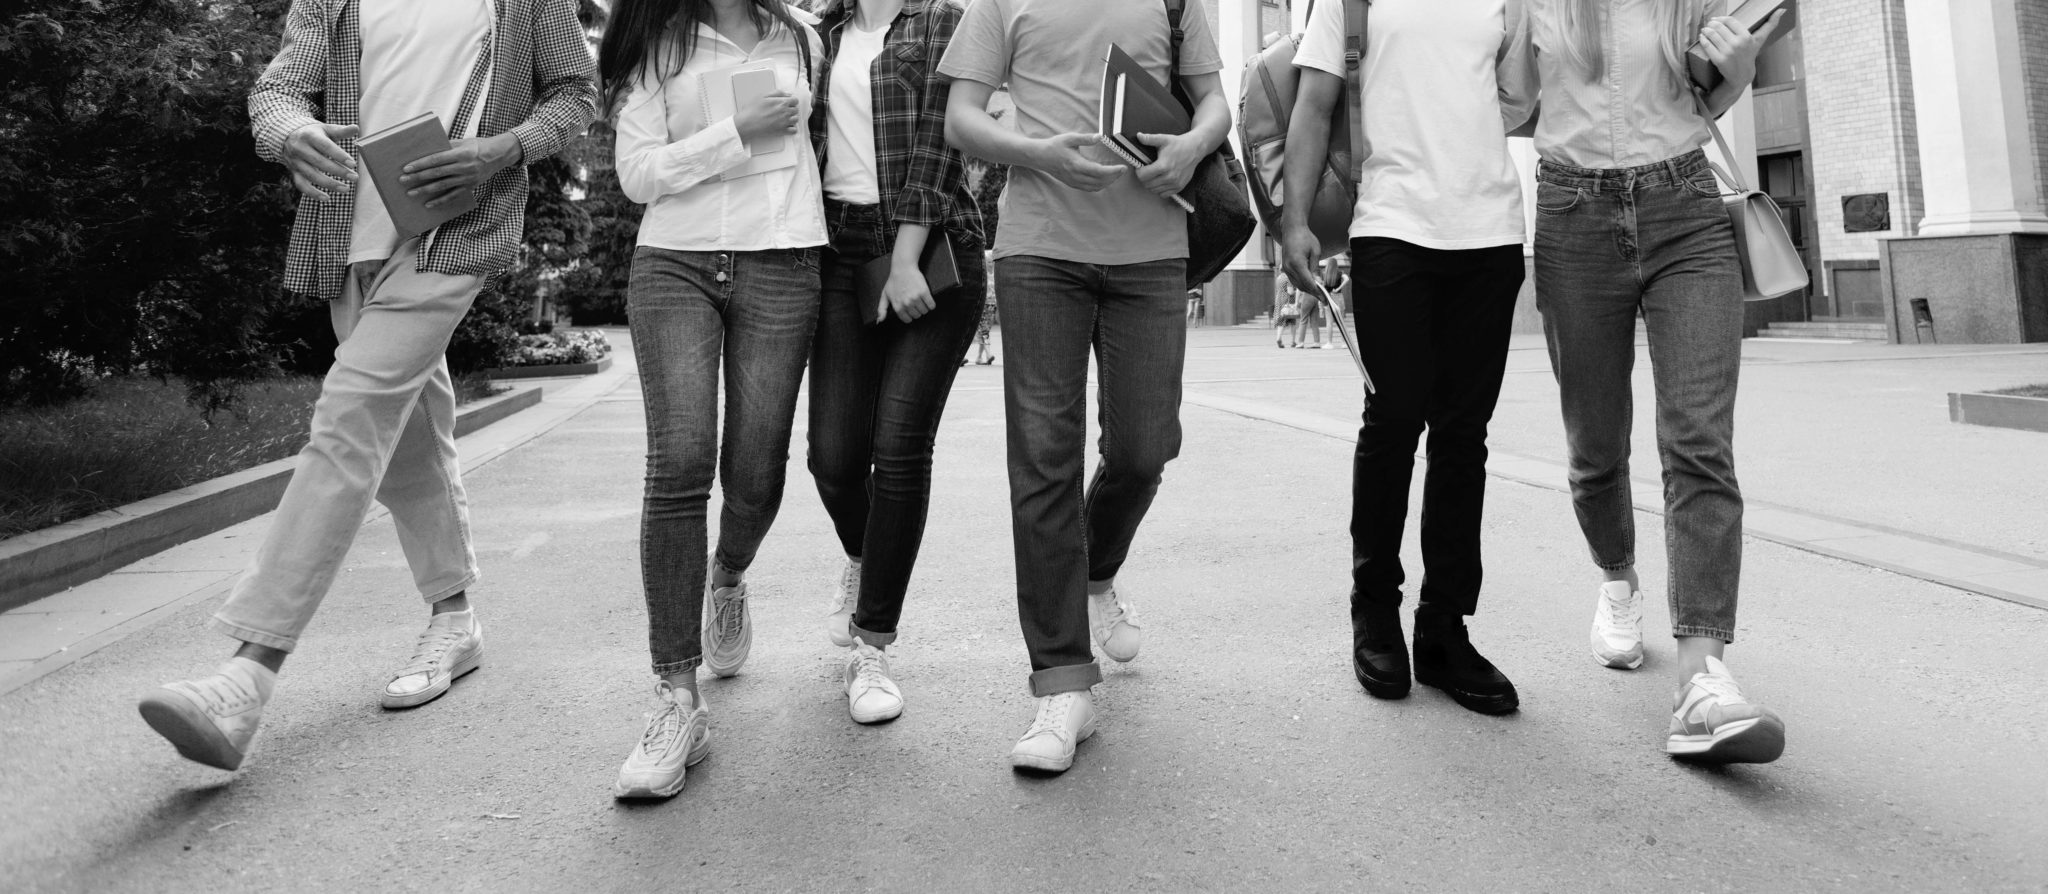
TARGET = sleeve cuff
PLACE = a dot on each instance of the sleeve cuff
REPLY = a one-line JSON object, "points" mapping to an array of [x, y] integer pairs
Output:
{"points": [[920, 205]]}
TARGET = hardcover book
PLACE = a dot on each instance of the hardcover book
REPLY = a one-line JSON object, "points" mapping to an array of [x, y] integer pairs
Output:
{"points": [[385, 155], [1752, 14], [722, 92], [941, 274]]}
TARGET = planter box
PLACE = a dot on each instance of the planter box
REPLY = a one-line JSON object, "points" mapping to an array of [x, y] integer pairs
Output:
{"points": [[545, 372], [1999, 411], [43, 562]]}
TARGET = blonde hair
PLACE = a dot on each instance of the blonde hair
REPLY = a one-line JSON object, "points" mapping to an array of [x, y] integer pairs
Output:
{"points": [[1575, 31]]}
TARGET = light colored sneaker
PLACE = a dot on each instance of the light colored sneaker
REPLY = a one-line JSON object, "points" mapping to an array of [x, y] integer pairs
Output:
{"points": [[845, 596], [212, 719], [1714, 723], [871, 696], [1114, 622], [1064, 720], [678, 736], [1618, 626], [728, 630], [451, 646]]}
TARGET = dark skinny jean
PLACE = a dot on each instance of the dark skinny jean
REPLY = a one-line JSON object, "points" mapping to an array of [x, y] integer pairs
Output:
{"points": [[878, 391]]}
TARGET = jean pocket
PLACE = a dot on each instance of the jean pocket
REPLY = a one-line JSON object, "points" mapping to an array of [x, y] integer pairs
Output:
{"points": [[805, 259], [1703, 184], [1552, 198]]}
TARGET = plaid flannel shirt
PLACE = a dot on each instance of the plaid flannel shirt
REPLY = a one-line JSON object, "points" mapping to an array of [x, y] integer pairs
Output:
{"points": [[543, 91], [921, 178]]}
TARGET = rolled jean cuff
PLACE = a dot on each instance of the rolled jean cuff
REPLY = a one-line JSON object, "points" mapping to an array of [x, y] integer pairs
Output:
{"points": [[253, 636], [685, 666], [1722, 634], [1622, 565], [878, 640], [468, 580], [1065, 678]]}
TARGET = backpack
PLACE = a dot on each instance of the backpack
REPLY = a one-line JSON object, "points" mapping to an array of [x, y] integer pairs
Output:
{"points": [[1222, 221], [1266, 104]]}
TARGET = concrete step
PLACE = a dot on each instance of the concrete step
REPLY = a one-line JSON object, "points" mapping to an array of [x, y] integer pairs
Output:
{"points": [[1841, 331]]}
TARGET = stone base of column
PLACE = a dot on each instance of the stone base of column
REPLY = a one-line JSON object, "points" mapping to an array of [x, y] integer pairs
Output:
{"points": [[1975, 289]]}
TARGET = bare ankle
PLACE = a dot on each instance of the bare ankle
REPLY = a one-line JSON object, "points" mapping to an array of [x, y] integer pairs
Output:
{"points": [[267, 656]]}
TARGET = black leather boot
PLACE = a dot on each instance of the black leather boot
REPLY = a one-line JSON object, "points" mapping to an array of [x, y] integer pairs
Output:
{"points": [[1379, 656], [1445, 659]]}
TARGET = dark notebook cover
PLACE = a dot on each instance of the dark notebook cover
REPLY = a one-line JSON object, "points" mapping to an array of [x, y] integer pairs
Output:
{"points": [[385, 155], [1752, 14], [941, 275], [1134, 103]]}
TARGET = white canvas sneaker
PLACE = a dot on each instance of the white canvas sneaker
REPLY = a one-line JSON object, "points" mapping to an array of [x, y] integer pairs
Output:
{"points": [[212, 719], [1114, 622], [845, 595], [728, 630], [1618, 626], [451, 646], [678, 736], [871, 696], [1064, 720]]}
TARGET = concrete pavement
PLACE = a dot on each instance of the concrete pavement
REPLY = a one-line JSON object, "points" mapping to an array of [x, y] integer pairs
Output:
{"points": [[1235, 754]]}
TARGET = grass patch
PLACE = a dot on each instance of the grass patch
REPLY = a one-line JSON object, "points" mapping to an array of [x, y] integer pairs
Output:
{"points": [[2024, 391], [136, 438]]}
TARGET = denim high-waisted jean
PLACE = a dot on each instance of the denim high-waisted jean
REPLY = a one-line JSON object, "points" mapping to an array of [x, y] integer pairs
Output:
{"points": [[754, 312], [1651, 241]]}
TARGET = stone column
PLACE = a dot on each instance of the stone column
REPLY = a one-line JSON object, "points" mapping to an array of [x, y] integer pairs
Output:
{"points": [[1978, 158]]}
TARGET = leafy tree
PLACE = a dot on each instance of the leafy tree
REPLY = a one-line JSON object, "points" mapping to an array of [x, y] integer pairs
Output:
{"points": [[595, 290]]}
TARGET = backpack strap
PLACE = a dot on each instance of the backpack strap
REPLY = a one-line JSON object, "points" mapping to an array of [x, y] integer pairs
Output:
{"points": [[1354, 77], [1174, 8]]}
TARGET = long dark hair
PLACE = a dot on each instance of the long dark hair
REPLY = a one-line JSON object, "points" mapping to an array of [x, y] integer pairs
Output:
{"points": [[659, 35]]}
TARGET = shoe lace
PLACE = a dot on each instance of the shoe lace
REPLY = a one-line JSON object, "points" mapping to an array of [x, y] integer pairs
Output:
{"points": [[727, 615], [870, 668], [663, 727], [220, 693], [433, 646], [849, 587], [1624, 610], [1721, 686], [1118, 608], [1052, 715]]}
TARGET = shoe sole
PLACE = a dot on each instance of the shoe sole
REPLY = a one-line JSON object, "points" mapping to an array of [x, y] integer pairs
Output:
{"points": [[1391, 690], [1052, 764], [878, 717], [635, 792], [1471, 701], [1618, 660], [176, 718], [1758, 740], [416, 699]]}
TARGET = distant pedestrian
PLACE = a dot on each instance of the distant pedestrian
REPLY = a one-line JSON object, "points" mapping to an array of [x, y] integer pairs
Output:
{"points": [[384, 427], [1194, 305], [724, 291], [1630, 223], [1286, 311], [989, 180]]}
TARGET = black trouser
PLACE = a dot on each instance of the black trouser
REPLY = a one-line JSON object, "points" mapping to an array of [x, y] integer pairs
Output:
{"points": [[1433, 329], [878, 391]]}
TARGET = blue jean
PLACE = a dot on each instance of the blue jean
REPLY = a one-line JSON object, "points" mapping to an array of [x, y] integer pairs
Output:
{"points": [[1054, 313], [1653, 241], [878, 391], [690, 310]]}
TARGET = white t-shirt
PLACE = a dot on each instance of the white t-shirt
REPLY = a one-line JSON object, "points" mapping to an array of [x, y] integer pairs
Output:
{"points": [[417, 57], [850, 135], [1436, 171]]}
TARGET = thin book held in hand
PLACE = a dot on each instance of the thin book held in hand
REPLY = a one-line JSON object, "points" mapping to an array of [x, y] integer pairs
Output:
{"points": [[387, 152], [722, 92], [1134, 103], [1752, 14], [940, 268]]}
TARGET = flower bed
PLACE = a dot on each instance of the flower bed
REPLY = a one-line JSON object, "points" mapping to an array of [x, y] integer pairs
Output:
{"points": [[574, 346]]}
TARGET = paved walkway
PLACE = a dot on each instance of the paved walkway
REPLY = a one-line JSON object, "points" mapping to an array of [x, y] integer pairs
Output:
{"points": [[1235, 754]]}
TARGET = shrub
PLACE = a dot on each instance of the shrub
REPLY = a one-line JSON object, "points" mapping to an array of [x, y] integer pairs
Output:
{"points": [[556, 348]]}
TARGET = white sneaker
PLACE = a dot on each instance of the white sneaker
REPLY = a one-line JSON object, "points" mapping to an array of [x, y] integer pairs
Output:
{"points": [[871, 696], [1713, 722], [845, 596], [1618, 626], [451, 646], [678, 736], [212, 719], [728, 630], [1064, 720], [1114, 621]]}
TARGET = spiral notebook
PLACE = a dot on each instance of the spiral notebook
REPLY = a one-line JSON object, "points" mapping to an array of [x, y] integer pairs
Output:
{"points": [[1134, 103], [721, 92]]}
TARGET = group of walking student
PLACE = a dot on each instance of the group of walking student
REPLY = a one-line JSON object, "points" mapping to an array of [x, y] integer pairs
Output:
{"points": [[748, 273]]}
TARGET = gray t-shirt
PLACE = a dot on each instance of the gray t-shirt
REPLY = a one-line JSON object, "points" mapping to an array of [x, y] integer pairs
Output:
{"points": [[1051, 54]]}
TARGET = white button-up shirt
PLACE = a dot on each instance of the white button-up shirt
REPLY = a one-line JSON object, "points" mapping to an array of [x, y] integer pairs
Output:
{"points": [[667, 156], [1634, 111]]}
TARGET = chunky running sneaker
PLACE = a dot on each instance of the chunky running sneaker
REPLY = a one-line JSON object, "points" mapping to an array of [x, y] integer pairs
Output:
{"points": [[728, 630], [1114, 621], [1064, 720], [871, 695], [1714, 723], [451, 646], [678, 736], [1618, 626], [1445, 659], [845, 596], [212, 719]]}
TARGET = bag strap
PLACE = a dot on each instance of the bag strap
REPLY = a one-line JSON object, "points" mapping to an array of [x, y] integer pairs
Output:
{"points": [[1354, 59], [1732, 178]]}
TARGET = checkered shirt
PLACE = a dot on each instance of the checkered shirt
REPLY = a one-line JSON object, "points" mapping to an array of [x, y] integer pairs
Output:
{"points": [[543, 90], [921, 177]]}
